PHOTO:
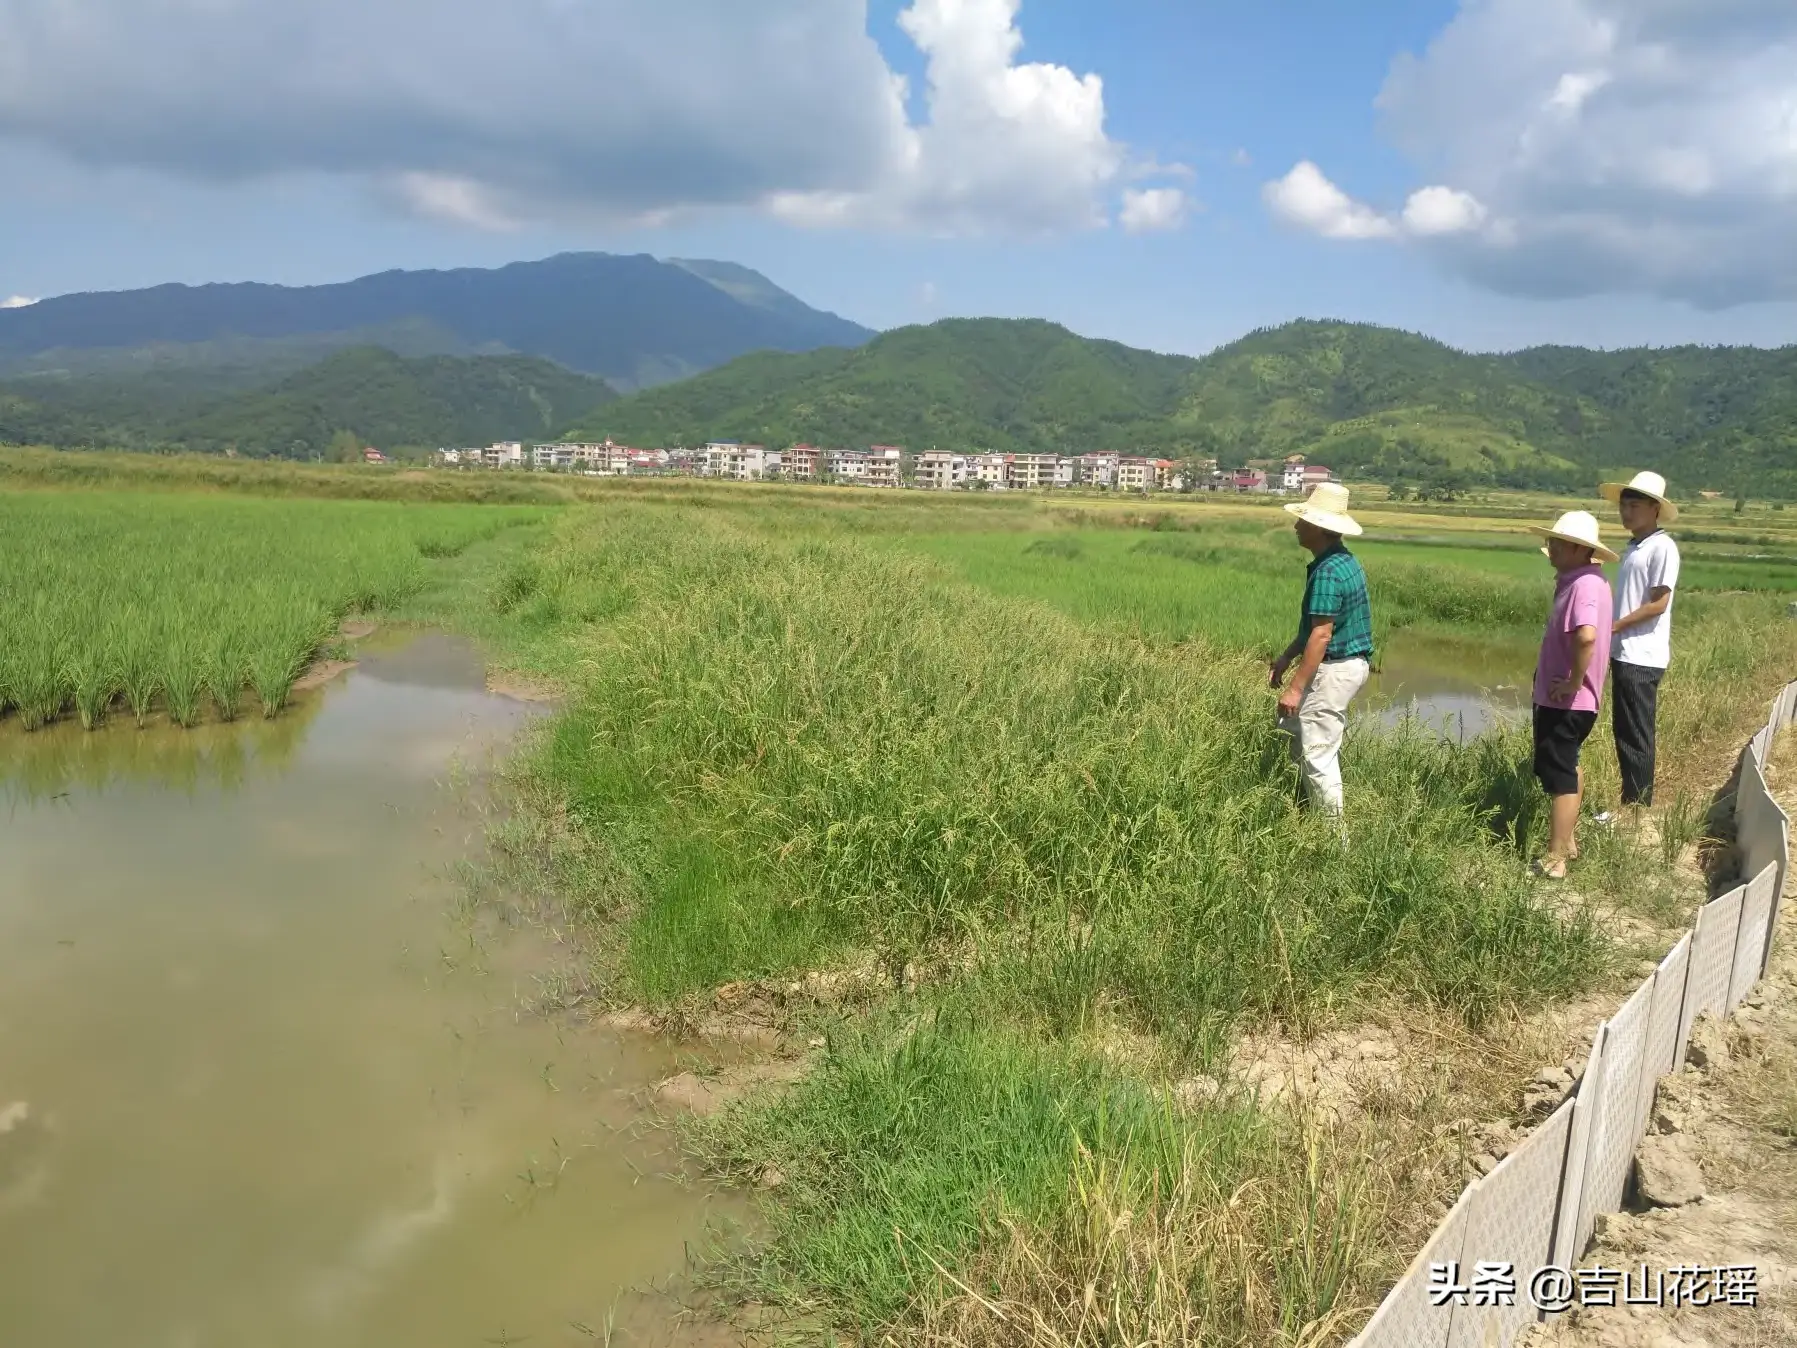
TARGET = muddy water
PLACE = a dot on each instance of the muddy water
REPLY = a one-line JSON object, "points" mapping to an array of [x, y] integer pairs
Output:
{"points": [[1449, 685], [261, 1085]]}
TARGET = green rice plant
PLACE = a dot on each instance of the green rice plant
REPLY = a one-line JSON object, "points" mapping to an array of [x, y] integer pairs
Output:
{"points": [[139, 678], [225, 676], [196, 598], [93, 682], [183, 678]]}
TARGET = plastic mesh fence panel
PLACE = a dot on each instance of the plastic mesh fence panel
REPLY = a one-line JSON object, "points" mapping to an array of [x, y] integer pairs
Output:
{"points": [[1762, 831], [1712, 959], [1407, 1318], [1664, 1050], [1612, 1141], [1567, 1245], [1511, 1221], [1750, 940]]}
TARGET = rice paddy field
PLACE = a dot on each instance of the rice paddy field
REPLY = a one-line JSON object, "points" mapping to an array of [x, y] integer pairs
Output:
{"points": [[122, 604], [1008, 770]]}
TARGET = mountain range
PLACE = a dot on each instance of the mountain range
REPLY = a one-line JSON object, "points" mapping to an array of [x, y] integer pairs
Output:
{"points": [[541, 350], [634, 321], [1365, 400]]}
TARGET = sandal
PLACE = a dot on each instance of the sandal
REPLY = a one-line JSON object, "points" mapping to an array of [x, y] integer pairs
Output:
{"points": [[1540, 870]]}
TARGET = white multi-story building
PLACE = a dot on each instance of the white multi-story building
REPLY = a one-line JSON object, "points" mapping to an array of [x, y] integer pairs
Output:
{"points": [[1293, 477], [741, 463], [505, 454], [846, 465], [1097, 470], [1139, 474], [939, 470], [1066, 471], [1032, 471], [885, 466], [991, 471]]}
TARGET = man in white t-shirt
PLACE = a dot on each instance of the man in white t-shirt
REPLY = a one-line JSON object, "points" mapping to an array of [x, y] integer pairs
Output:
{"points": [[1641, 633]]}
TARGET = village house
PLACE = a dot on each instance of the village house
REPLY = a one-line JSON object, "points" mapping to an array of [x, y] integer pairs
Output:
{"points": [[552, 456], [1030, 472], [737, 462], [885, 466], [1141, 474], [801, 462], [1097, 470], [990, 471], [939, 470], [505, 454], [1248, 479], [1292, 473]]}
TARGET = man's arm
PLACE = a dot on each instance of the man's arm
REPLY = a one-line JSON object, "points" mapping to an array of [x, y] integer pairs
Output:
{"points": [[1322, 629], [1658, 599], [1584, 646], [1283, 660]]}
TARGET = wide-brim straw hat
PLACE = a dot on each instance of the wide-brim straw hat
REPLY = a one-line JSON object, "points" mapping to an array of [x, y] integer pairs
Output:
{"points": [[1576, 526], [1648, 484], [1327, 508]]}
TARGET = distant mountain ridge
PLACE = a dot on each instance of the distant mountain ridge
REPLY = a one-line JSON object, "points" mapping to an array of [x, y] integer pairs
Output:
{"points": [[632, 320]]}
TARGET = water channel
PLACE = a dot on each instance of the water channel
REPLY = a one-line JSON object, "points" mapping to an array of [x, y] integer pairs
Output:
{"points": [[1449, 685], [261, 1086]]}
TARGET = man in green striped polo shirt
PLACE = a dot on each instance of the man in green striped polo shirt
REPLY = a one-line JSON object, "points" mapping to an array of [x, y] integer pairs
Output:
{"points": [[1333, 648]]}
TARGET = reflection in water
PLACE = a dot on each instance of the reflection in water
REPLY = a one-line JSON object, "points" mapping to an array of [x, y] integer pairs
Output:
{"points": [[259, 1085], [1450, 685], [37, 765]]}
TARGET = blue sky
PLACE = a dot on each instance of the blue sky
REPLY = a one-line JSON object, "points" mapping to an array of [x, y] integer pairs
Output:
{"points": [[1493, 172]]}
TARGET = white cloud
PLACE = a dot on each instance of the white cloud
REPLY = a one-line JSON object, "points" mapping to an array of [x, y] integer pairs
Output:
{"points": [[1644, 146], [490, 113], [1005, 145], [1442, 210], [1304, 197], [17, 302], [1146, 210], [460, 201]]}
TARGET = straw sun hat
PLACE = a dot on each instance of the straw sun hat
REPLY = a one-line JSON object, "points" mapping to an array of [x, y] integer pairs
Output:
{"points": [[1327, 508], [1576, 526], [1648, 484]]}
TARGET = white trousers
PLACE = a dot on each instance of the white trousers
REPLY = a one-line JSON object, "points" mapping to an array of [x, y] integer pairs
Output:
{"points": [[1318, 728]]}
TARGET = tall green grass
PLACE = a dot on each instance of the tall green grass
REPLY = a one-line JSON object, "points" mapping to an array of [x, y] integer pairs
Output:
{"points": [[957, 1177], [810, 745], [188, 604]]}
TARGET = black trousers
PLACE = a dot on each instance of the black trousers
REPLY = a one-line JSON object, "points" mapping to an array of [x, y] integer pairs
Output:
{"points": [[1634, 697]]}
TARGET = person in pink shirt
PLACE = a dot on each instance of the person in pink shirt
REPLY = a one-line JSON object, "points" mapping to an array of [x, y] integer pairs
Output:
{"points": [[1569, 676]]}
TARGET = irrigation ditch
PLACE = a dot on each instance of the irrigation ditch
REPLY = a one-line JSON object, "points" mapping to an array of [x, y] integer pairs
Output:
{"points": [[1541, 1205]]}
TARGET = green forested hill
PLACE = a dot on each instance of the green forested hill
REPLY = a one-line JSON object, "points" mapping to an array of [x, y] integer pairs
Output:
{"points": [[384, 400], [1364, 400], [1011, 385]]}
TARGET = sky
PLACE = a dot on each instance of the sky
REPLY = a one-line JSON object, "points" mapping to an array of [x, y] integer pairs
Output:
{"points": [[1166, 173]]}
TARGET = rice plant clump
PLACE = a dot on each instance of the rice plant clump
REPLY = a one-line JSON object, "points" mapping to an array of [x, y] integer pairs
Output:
{"points": [[115, 603]]}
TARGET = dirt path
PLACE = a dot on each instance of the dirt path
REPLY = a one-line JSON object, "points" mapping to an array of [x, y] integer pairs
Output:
{"points": [[1725, 1128]]}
